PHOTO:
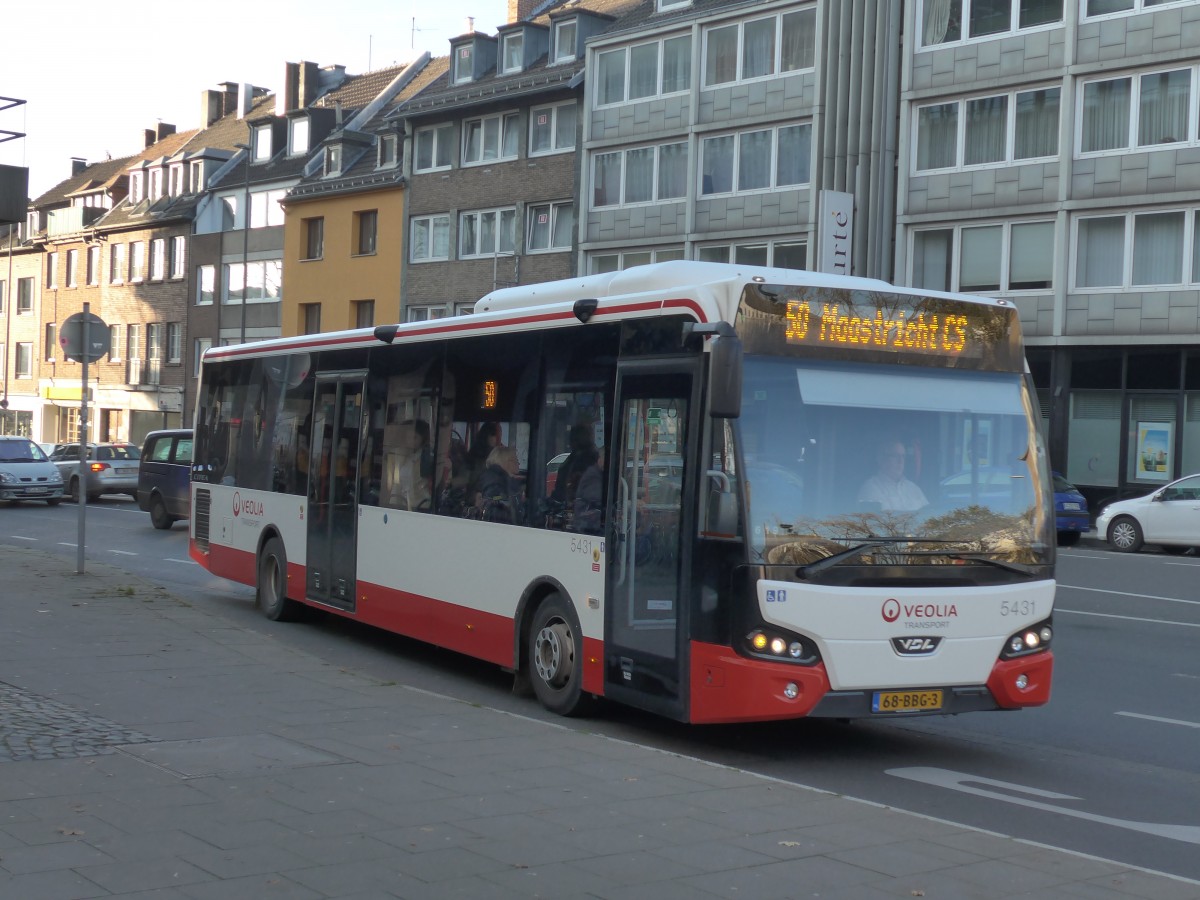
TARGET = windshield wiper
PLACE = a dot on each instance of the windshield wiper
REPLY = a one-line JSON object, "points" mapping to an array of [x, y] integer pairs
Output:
{"points": [[1020, 568], [873, 540]]}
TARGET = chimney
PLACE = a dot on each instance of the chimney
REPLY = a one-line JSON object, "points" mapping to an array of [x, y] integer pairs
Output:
{"points": [[521, 10], [285, 100], [161, 130], [210, 107], [247, 100], [309, 84], [470, 25], [229, 95], [148, 134], [78, 164]]}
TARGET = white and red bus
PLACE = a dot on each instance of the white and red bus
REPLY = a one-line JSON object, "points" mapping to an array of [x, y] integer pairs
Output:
{"points": [[716, 492]]}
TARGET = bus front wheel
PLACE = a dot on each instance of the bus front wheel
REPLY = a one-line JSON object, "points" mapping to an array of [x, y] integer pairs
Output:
{"points": [[272, 595], [556, 658]]}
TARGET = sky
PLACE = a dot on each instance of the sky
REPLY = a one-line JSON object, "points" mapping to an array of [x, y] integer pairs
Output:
{"points": [[95, 77]]}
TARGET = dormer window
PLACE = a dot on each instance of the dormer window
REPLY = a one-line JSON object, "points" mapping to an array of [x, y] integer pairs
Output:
{"points": [[514, 52], [333, 160], [177, 185], [156, 184], [564, 41], [388, 145], [464, 57], [197, 179], [135, 187], [664, 5], [262, 143], [298, 139]]}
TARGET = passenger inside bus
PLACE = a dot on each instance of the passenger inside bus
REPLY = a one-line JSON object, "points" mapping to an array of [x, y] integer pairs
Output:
{"points": [[588, 502], [582, 456], [500, 493]]}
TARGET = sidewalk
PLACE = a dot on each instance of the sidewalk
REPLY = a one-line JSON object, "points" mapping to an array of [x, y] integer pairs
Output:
{"points": [[149, 748]]}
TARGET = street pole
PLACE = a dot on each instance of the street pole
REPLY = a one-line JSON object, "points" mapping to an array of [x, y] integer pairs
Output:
{"points": [[245, 236], [83, 438]]}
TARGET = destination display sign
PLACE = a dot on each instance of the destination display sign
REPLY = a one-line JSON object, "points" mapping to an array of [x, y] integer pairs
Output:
{"points": [[885, 326]]}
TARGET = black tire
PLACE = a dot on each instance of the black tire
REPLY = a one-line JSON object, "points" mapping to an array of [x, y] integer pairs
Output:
{"points": [[159, 517], [54, 501], [1125, 535], [73, 490], [1068, 538], [556, 658], [271, 593]]}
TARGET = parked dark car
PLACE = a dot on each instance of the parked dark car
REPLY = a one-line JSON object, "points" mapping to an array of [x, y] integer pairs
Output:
{"points": [[164, 485], [110, 469], [1070, 511]]}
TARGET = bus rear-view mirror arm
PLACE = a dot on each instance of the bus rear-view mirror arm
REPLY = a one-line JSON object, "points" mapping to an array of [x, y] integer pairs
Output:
{"points": [[725, 367]]}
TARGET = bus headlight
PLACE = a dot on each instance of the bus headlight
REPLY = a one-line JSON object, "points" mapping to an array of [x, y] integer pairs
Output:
{"points": [[781, 647], [1028, 640]]}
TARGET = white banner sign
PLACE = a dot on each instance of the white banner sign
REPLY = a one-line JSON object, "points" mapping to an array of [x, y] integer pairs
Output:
{"points": [[835, 233]]}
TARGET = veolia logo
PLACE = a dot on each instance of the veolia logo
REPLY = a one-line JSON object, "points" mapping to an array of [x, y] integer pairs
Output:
{"points": [[237, 503], [891, 610]]}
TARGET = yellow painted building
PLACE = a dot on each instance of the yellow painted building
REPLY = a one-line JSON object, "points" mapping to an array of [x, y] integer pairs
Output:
{"points": [[343, 255]]}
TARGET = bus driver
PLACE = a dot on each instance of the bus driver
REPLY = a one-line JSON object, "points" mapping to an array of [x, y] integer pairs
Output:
{"points": [[888, 487]]}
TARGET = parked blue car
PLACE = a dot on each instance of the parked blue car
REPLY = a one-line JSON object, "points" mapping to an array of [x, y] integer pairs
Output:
{"points": [[164, 487], [1070, 511]]}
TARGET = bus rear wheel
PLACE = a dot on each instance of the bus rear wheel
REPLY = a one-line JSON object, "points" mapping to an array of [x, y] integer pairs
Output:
{"points": [[271, 594], [556, 658]]}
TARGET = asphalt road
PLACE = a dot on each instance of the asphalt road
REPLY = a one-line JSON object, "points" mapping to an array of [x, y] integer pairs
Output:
{"points": [[1111, 767]]}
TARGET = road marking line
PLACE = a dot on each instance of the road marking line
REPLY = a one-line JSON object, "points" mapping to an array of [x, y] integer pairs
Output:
{"points": [[21, 537], [957, 781], [1097, 615], [190, 562], [1159, 719], [1186, 565], [65, 544], [1076, 587], [123, 552]]}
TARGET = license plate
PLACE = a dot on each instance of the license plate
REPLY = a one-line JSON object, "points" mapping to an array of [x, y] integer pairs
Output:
{"points": [[126, 471], [905, 701], [1070, 506]]}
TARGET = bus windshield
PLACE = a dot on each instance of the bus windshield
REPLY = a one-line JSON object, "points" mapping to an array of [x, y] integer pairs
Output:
{"points": [[911, 465]]}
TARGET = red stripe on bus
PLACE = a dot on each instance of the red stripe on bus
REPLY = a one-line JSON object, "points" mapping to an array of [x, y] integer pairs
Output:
{"points": [[1038, 669], [455, 325], [731, 688]]}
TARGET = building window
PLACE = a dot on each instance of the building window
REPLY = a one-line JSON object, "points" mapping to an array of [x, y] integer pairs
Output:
{"points": [[364, 313], [490, 138], [24, 296], [782, 254], [133, 362], [72, 268], [266, 208], [156, 184], [51, 341], [51, 271], [206, 281], [178, 256], [943, 21], [260, 281], [310, 318], [3, 298], [114, 342], [93, 264], [262, 143], [174, 343], [664, 5], [135, 187], [1138, 250], [644, 70], [200, 346], [366, 224], [435, 148], [759, 48], [564, 41], [552, 128], [551, 226], [154, 352], [997, 129], [298, 138], [487, 232], [1148, 110], [333, 160], [426, 313], [314, 238], [755, 160], [1108, 7], [24, 359], [640, 175], [177, 185], [197, 176], [158, 259], [464, 57], [116, 264], [387, 151], [1013, 256], [137, 261], [430, 238], [627, 259], [513, 53]]}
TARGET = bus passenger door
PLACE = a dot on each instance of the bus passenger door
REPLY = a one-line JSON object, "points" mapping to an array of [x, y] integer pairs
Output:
{"points": [[646, 615], [332, 489]]}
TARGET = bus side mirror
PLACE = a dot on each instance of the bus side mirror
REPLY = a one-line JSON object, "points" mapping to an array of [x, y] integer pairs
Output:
{"points": [[725, 376]]}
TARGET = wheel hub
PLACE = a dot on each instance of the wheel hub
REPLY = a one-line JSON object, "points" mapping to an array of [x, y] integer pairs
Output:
{"points": [[554, 654]]}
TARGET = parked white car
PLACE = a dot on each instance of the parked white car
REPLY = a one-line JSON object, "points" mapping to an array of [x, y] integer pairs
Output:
{"points": [[26, 473], [1168, 517]]}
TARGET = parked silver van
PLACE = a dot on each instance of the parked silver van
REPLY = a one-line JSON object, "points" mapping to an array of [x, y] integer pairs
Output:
{"points": [[26, 472]]}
